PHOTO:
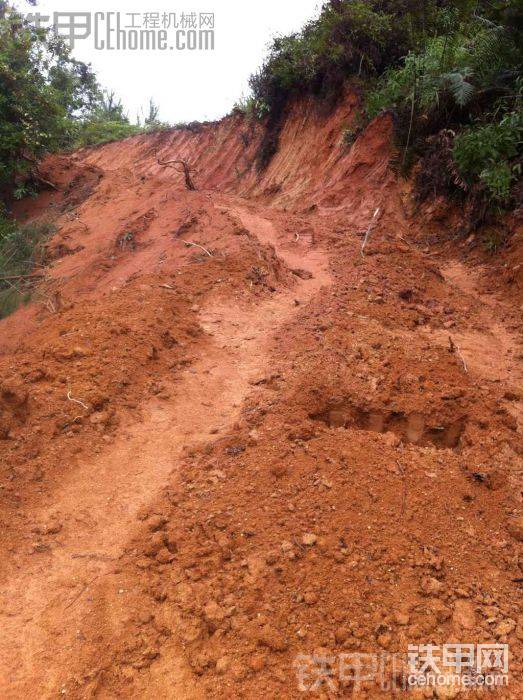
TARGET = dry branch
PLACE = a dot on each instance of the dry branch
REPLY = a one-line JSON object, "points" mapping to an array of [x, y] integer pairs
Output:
{"points": [[189, 184], [70, 398], [197, 245], [369, 231]]}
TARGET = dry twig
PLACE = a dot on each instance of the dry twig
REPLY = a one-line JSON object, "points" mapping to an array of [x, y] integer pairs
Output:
{"points": [[369, 231], [77, 401], [454, 347], [197, 245]]}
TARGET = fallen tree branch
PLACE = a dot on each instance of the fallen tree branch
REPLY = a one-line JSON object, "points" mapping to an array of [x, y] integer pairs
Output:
{"points": [[189, 184], [36, 174], [197, 245], [369, 231], [41, 179]]}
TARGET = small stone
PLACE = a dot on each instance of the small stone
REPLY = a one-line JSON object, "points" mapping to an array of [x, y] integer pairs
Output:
{"points": [[257, 662], [310, 597], [341, 634], [156, 522], [431, 586], [463, 616], [222, 665], [505, 627], [309, 539], [391, 439], [384, 640], [273, 639], [214, 614], [155, 543], [164, 556], [402, 618]]}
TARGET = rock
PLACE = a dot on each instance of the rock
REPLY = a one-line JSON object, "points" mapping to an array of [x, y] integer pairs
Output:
{"points": [[401, 618], [309, 539], [384, 640], [337, 418], [273, 639], [310, 597], [341, 634], [302, 274], [431, 586], [100, 418], [14, 392], [222, 665], [391, 439], [288, 550], [214, 614], [504, 628], [463, 616], [51, 527], [515, 528], [164, 556], [257, 662]]}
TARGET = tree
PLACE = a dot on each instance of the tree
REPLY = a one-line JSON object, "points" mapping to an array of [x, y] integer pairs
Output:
{"points": [[42, 90]]}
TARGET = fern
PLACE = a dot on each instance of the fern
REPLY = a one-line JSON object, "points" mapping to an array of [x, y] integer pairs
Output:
{"points": [[458, 84]]}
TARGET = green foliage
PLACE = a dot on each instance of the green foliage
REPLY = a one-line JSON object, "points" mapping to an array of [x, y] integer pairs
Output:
{"points": [[107, 121], [21, 249], [346, 38], [49, 101], [486, 152], [95, 132], [466, 78], [441, 69], [41, 89], [250, 107]]}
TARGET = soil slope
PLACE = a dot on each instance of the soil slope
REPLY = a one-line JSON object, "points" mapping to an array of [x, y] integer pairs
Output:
{"points": [[231, 434]]}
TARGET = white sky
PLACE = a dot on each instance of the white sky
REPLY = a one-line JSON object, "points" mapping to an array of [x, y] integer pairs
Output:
{"points": [[187, 85]]}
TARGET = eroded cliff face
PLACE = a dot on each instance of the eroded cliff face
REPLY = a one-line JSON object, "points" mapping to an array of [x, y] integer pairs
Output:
{"points": [[312, 168], [232, 435]]}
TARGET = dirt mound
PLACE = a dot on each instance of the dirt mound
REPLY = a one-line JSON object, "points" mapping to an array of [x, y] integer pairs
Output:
{"points": [[233, 438]]}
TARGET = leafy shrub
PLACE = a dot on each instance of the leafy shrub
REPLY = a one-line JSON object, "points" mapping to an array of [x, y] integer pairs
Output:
{"points": [[93, 133], [42, 88], [485, 153]]}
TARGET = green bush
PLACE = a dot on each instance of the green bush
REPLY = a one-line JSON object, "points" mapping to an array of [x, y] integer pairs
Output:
{"points": [[42, 90], [94, 133], [484, 153]]}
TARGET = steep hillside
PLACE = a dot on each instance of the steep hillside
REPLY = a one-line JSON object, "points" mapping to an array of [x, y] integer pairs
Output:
{"points": [[274, 416]]}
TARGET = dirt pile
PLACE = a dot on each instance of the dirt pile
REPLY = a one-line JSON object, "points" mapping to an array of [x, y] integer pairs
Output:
{"points": [[231, 439]]}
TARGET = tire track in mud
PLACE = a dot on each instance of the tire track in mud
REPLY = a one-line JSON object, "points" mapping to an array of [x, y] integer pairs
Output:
{"points": [[43, 607]]}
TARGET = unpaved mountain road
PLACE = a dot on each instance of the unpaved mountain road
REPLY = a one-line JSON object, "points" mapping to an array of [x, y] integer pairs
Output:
{"points": [[98, 505], [278, 452]]}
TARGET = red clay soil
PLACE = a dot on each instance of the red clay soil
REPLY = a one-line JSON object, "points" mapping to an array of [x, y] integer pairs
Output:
{"points": [[230, 440]]}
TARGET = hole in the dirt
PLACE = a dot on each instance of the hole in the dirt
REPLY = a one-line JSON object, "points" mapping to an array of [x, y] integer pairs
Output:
{"points": [[410, 427]]}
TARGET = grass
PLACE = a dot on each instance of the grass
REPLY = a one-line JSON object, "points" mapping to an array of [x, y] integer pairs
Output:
{"points": [[21, 250]]}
